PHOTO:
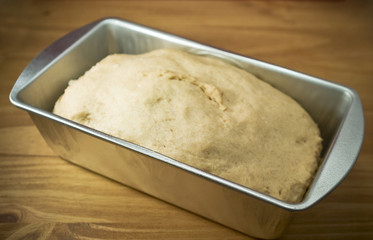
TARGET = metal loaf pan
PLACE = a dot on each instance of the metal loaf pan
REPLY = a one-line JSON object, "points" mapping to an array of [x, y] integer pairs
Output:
{"points": [[336, 109]]}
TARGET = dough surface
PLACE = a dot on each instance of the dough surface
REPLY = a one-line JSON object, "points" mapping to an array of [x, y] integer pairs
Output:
{"points": [[203, 112]]}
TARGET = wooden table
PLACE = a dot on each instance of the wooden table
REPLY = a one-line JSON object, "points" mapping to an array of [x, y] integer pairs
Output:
{"points": [[43, 196]]}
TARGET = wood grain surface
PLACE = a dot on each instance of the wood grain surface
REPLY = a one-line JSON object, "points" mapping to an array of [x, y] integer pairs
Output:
{"points": [[45, 197]]}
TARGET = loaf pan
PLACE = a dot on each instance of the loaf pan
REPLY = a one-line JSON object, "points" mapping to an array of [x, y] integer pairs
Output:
{"points": [[336, 109]]}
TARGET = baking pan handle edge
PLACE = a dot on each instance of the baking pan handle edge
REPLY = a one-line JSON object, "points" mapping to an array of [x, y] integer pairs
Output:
{"points": [[46, 57]]}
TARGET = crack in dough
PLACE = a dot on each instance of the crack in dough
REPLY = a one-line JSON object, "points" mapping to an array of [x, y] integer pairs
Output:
{"points": [[210, 90]]}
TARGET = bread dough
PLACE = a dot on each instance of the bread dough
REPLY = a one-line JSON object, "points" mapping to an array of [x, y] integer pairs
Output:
{"points": [[203, 112]]}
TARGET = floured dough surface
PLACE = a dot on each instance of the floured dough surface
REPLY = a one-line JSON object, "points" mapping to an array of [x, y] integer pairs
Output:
{"points": [[203, 112]]}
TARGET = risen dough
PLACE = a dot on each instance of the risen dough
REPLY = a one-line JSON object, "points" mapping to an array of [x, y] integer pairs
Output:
{"points": [[203, 112]]}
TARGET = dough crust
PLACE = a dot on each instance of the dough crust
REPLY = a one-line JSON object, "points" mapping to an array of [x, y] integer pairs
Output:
{"points": [[203, 112]]}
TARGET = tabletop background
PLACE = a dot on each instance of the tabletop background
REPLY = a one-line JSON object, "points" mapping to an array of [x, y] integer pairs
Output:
{"points": [[45, 197]]}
